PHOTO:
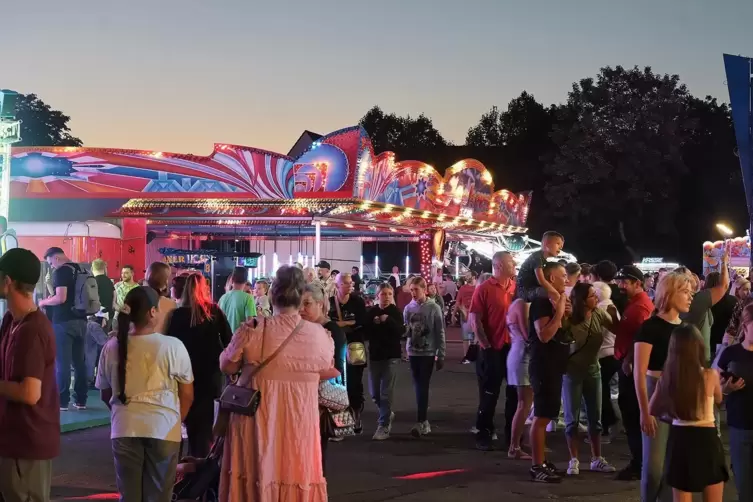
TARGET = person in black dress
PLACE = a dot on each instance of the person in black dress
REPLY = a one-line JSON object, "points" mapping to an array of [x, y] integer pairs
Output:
{"points": [[204, 330]]}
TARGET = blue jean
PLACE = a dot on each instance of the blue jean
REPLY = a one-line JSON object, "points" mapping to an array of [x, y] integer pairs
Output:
{"points": [[70, 341], [578, 388], [741, 454], [421, 368], [653, 487], [145, 468], [382, 376]]}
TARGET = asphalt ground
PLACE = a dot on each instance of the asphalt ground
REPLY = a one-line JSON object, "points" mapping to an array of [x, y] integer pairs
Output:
{"points": [[444, 466]]}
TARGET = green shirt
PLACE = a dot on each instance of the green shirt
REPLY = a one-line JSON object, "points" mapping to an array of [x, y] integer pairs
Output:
{"points": [[237, 306], [588, 337]]}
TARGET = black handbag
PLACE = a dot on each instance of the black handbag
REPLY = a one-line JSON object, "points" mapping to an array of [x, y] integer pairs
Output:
{"points": [[245, 400]]}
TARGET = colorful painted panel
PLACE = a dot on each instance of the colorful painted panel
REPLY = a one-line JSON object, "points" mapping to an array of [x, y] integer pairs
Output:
{"points": [[339, 166], [91, 172], [324, 169], [466, 190]]}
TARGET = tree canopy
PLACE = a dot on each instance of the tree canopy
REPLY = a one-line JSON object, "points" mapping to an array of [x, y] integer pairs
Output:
{"points": [[41, 125], [391, 132], [630, 165]]}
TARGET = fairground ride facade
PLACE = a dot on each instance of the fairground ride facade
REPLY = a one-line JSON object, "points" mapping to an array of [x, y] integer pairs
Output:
{"points": [[123, 205]]}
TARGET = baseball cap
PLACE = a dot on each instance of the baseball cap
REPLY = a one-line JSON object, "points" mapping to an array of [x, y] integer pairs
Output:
{"points": [[21, 265], [630, 272], [324, 264], [53, 251]]}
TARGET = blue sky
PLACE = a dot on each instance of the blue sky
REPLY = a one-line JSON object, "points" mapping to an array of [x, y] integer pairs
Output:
{"points": [[179, 75]]}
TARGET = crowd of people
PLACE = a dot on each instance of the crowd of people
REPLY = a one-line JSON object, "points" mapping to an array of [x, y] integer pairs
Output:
{"points": [[163, 355]]}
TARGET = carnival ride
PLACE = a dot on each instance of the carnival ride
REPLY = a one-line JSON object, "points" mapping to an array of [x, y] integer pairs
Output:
{"points": [[329, 200], [739, 255]]}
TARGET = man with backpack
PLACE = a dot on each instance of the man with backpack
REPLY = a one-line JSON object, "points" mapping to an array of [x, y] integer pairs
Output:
{"points": [[74, 296]]}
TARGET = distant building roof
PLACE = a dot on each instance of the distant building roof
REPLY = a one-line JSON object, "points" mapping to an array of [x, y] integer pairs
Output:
{"points": [[303, 142]]}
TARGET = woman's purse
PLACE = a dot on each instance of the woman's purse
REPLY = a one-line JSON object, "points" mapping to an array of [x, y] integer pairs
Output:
{"points": [[245, 400], [340, 423], [356, 353], [333, 396]]}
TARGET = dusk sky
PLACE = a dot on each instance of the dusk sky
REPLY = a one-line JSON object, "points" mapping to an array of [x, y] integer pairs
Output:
{"points": [[179, 75]]}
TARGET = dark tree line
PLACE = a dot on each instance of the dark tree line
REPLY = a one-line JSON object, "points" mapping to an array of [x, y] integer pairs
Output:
{"points": [[631, 165], [41, 125]]}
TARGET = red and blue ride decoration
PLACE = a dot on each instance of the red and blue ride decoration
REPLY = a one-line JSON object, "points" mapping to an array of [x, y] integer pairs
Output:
{"points": [[340, 165]]}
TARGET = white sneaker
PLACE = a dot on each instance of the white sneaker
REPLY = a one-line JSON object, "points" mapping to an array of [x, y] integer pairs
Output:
{"points": [[573, 468], [421, 429], [600, 464], [552, 426], [474, 430], [381, 433], [582, 428], [392, 420]]}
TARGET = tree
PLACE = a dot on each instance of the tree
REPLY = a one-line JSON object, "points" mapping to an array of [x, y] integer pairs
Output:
{"points": [[391, 132], [525, 121], [41, 125], [617, 173]]}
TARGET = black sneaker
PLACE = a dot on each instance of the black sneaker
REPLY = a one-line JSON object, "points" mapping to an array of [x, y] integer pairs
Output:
{"points": [[548, 465], [484, 441], [629, 473], [542, 474]]}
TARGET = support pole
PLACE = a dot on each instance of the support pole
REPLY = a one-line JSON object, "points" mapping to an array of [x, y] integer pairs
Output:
{"points": [[317, 242]]}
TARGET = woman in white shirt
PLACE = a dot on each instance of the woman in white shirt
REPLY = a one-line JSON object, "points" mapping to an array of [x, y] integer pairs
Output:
{"points": [[609, 365], [145, 379]]}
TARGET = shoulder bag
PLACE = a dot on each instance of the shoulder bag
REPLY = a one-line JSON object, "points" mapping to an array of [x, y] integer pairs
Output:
{"points": [[356, 354], [245, 400]]}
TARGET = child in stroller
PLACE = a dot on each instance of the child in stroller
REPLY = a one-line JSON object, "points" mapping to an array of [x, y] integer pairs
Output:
{"points": [[198, 479]]}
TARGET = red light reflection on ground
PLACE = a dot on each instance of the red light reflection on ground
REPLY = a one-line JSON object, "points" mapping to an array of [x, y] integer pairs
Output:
{"points": [[431, 474], [97, 496]]}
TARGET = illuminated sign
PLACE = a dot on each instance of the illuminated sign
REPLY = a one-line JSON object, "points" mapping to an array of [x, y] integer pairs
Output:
{"points": [[10, 132], [652, 260]]}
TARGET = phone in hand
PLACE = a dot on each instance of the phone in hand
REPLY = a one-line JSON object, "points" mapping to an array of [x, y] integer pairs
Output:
{"points": [[728, 375]]}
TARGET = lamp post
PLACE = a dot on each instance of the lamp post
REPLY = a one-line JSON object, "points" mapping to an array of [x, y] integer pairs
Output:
{"points": [[10, 132]]}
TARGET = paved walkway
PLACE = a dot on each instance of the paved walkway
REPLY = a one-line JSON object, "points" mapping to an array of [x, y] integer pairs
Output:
{"points": [[441, 467]]}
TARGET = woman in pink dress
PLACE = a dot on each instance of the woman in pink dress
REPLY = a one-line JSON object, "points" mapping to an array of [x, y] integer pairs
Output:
{"points": [[276, 455]]}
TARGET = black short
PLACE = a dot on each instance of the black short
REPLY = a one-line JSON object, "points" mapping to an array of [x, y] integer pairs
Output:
{"points": [[685, 467], [546, 383]]}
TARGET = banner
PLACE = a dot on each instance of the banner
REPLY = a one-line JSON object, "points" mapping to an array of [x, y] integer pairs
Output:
{"points": [[739, 82]]}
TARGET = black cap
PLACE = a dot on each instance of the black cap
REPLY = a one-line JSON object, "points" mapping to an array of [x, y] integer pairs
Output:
{"points": [[21, 265], [630, 272], [324, 264], [52, 252]]}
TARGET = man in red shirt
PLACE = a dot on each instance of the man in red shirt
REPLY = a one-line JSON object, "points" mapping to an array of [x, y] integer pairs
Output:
{"points": [[488, 316], [639, 308], [29, 400]]}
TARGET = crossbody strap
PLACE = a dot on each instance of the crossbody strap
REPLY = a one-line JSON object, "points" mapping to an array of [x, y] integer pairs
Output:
{"points": [[268, 360], [337, 308], [588, 336]]}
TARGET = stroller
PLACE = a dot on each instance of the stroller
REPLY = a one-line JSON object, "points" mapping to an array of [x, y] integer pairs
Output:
{"points": [[198, 479]]}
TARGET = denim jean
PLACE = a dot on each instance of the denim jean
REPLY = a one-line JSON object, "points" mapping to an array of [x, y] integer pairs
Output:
{"points": [[631, 418], [96, 338], [653, 487], [382, 377], [741, 455], [70, 341], [491, 370], [577, 387], [421, 368], [145, 468]]}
